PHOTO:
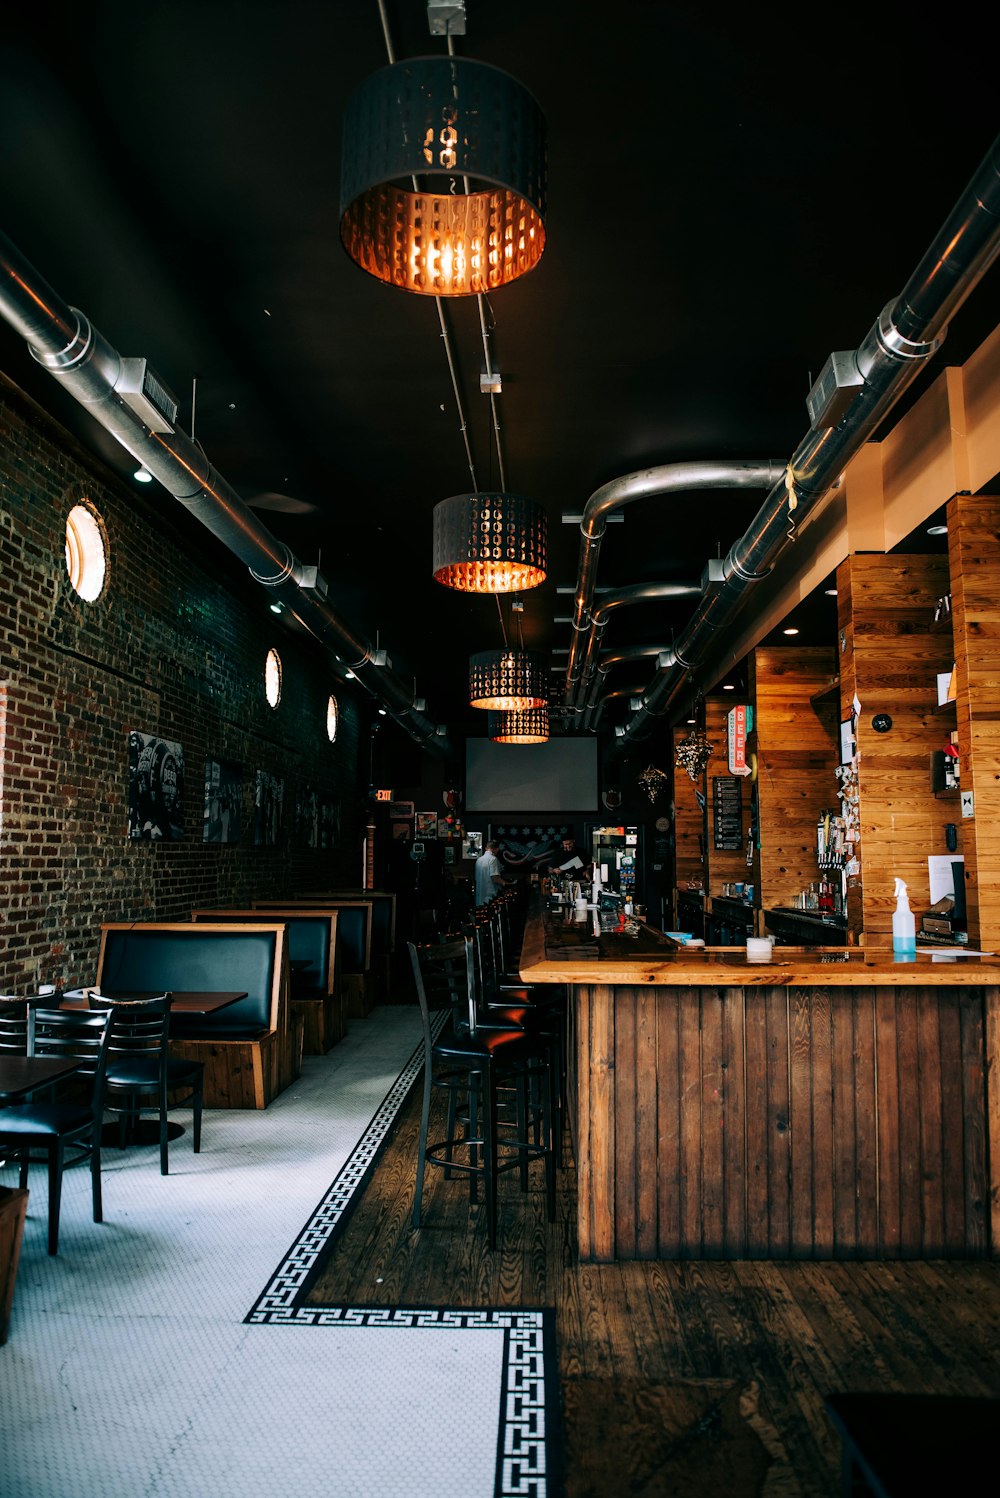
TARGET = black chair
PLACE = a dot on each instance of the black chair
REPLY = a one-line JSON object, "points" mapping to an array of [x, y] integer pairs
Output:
{"points": [[483, 1070], [13, 1026], [56, 1126], [141, 1076], [540, 1008]]}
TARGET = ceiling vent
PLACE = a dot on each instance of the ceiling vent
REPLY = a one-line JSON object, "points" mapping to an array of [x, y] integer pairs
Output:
{"points": [[834, 392], [147, 395]]}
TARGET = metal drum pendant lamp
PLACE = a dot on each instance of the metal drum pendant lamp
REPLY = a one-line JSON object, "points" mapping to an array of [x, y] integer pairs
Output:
{"points": [[443, 177], [531, 726], [489, 543], [507, 680]]}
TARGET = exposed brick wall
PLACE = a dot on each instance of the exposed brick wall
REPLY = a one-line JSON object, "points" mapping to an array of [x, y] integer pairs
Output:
{"points": [[175, 646]]}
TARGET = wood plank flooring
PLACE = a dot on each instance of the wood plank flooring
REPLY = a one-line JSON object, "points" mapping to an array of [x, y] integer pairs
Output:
{"points": [[777, 1336]]}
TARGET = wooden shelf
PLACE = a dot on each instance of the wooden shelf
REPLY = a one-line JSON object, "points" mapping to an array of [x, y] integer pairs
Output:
{"points": [[945, 709], [827, 693]]}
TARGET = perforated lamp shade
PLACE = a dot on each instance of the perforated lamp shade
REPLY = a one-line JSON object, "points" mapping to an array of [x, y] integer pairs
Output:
{"points": [[528, 727], [442, 186], [489, 543], [507, 680]]}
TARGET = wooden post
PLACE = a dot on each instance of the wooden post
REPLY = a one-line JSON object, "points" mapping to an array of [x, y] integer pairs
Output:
{"points": [[13, 1209]]}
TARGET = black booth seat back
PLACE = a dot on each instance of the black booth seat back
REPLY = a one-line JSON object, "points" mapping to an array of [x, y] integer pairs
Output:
{"points": [[352, 932], [381, 926], [199, 959], [309, 937]]}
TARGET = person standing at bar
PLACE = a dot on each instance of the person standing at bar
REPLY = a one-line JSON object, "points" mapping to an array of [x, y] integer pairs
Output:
{"points": [[489, 873], [569, 849]]}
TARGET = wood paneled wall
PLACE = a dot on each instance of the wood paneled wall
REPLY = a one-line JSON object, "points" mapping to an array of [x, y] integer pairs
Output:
{"points": [[797, 754], [781, 1123], [974, 565], [890, 655]]}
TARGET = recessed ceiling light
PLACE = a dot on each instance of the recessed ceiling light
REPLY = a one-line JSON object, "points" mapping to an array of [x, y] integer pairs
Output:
{"points": [[728, 687], [381, 712], [830, 592], [937, 530], [275, 608], [791, 630], [350, 675], [143, 476]]}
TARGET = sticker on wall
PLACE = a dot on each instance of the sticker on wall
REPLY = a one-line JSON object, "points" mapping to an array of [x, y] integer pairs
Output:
{"points": [[268, 797], [223, 822], [155, 788]]}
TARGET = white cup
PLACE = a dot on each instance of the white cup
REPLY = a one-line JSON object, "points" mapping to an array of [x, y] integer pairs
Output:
{"points": [[759, 948]]}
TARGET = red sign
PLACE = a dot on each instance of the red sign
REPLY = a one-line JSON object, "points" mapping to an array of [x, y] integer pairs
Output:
{"points": [[737, 735]]}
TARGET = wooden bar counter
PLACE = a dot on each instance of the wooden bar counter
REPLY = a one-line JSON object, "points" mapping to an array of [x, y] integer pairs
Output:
{"points": [[826, 1104]]}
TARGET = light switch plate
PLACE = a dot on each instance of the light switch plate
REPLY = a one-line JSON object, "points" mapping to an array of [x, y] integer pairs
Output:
{"points": [[967, 804]]}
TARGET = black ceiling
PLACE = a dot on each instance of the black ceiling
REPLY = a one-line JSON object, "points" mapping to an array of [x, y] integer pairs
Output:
{"points": [[729, 201]]}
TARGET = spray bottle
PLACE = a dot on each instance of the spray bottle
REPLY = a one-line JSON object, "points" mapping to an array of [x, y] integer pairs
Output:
{"points": [[904, 930]]}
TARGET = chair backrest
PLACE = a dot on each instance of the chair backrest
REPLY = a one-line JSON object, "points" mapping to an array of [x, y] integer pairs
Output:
{"points": [[139, 1027], [445, 979], [78, 1035], [13, 1026]]}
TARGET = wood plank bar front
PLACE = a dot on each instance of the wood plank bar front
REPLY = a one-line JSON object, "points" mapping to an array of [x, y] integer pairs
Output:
{"points": [[825, 1105]]}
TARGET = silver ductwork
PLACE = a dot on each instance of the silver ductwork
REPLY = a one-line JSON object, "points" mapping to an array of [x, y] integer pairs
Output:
{"points": [[646, 483], [906, 334], [590, 680], [128, 403]]}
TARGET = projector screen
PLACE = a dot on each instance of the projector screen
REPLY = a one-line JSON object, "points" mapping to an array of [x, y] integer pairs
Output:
{"points": [[559, 775]]}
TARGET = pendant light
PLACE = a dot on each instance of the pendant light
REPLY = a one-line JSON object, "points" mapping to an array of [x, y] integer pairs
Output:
{"points": [[443, 177], [507, 680], [530, 726], [489, 543]]}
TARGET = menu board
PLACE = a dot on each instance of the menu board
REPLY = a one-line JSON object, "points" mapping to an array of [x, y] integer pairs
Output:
{"points": [[727, 812]]}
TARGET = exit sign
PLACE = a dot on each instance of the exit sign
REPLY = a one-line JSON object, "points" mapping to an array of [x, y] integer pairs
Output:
{"points": [[383, 795]]}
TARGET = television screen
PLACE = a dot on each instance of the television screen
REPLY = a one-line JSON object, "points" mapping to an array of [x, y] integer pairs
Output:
{"points": [[557, 776]]}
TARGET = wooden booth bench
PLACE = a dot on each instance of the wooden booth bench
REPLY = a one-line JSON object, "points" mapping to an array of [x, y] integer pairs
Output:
{"points": [[354, 938], [317, 994], [252, 1049]]}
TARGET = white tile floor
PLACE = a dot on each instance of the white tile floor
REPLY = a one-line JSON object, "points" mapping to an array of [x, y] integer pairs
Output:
{"points": [[161, 1354]]}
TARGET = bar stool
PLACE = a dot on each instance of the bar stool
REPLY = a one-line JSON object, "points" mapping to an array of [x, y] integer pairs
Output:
{"points": [[483, 1069], [539, 1009]]}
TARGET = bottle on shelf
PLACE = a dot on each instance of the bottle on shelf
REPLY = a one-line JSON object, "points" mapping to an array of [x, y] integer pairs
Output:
{"points": [[904, 927]]}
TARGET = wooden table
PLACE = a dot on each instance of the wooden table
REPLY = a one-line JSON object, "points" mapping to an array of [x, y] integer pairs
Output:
{"points": [[829, 1103], [22, 1075], [184, 1001]]}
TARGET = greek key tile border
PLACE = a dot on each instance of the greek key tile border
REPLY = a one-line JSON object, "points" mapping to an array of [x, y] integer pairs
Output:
{"points": [[525, 1437]]}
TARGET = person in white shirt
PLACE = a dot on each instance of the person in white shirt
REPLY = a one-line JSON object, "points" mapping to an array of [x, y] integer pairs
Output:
{"points": [[489, 873]]}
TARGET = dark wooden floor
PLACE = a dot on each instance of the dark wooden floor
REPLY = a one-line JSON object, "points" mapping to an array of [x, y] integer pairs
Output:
{"points": [[642, 1339]]}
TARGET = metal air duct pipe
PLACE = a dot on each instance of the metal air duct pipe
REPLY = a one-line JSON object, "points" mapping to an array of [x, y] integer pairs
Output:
{"points": [[646, 483], [906, 334], [639, 593], [63, 341]]}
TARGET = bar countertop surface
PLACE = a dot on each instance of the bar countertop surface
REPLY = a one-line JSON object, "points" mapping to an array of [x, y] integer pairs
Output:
{"points": [[559, 949]]}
